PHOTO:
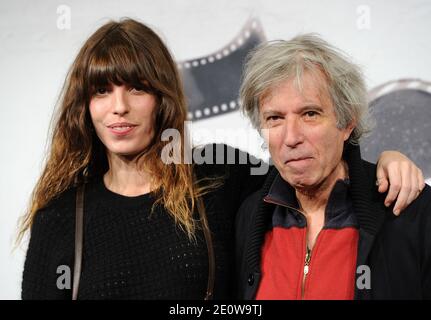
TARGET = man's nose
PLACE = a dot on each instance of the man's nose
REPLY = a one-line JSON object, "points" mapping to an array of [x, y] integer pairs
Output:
{"points": [[293, 133], [120, 101]]}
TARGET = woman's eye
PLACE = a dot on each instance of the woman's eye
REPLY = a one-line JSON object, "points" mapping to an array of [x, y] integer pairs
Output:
{"points": [[137, 89], [101, 91]]}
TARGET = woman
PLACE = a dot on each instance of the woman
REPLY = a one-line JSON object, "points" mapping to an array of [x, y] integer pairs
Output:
{"points": [[143, 238]]}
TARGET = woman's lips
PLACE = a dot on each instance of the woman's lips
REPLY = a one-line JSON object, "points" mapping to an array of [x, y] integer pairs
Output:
{"points": [[121, 130]]}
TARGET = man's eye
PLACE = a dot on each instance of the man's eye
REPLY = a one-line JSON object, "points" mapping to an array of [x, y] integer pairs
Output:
{"points": [[272, 121], [311, 114], [272, 118]]}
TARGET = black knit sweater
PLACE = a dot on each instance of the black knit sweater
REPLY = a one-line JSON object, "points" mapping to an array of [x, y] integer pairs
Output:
{"points": [[132, 254]]}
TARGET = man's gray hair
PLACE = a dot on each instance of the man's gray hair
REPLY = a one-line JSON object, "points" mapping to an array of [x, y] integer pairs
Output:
{"points": [[277, 61]]}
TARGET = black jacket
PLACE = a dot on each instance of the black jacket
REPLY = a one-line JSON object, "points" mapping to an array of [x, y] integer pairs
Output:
{"points": [[396, 249]]}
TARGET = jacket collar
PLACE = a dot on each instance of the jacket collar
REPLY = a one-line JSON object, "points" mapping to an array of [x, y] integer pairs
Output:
{"points": [[283, 194]]}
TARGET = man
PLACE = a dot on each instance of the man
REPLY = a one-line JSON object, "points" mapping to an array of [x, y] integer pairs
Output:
{"points": [[318, 228]]}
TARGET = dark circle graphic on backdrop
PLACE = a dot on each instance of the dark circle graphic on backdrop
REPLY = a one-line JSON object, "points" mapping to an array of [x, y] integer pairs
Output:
{"points": [[211, 83], [402, 113]]}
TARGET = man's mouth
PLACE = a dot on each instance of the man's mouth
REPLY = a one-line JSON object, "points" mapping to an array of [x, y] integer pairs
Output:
{"points": [[293, 160]]}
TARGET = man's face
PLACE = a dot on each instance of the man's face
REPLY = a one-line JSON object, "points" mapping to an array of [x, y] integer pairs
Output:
{"points": [[304, 142]]}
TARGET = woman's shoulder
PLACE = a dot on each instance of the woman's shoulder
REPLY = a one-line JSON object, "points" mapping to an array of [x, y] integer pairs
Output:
{"points": [[58, 210], [50, 245]]}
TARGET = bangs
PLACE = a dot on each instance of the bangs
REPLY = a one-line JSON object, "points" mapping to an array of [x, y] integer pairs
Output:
{"points": [[115, 61]]}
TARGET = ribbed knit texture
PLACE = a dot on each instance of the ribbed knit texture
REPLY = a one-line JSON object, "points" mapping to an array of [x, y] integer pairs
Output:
{"points": [[130, 253]]}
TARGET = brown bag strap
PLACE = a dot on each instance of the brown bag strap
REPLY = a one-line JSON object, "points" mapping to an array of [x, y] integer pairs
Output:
{"points": [[211, 256], [79, 233]]}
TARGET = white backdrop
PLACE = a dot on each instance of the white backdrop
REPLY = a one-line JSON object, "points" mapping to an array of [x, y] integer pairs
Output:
{"points": [[390, 39]]}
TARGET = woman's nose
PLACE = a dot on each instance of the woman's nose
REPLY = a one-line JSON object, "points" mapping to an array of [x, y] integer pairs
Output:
{"points": [[120, 103]]}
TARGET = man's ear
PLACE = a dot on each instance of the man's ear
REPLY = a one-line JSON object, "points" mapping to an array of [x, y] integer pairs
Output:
{"points": [[349, 129]]}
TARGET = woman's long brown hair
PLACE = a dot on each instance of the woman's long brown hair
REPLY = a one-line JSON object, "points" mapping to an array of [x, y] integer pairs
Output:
{"points": [[125, 52]]}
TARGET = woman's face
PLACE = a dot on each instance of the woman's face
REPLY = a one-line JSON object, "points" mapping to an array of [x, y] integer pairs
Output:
{"points": [[123, 118]]}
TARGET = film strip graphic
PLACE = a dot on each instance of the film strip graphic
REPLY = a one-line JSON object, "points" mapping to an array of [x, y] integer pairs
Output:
{"points": [[212, 82], [401, 84], [402, 113]]}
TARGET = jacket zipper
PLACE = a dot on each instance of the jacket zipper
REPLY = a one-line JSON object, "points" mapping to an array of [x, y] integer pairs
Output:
{"points": [[306, 269], [308, 252]]}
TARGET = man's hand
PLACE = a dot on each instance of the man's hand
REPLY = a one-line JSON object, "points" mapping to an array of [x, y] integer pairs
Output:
{"points": [[402, 176]]}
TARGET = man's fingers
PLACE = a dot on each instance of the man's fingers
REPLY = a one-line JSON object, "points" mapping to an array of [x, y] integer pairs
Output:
{"points": [[406, 188], [402, 199], [402, 180], [414, 192], [395, 179], [382, 179], [383, 184], [394, 189], [417, 185], [421, 180]]}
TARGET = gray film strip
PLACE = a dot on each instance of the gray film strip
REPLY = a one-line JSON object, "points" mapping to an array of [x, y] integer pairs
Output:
{"points": [[402, 112], [212, 82], [401, 84]]}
